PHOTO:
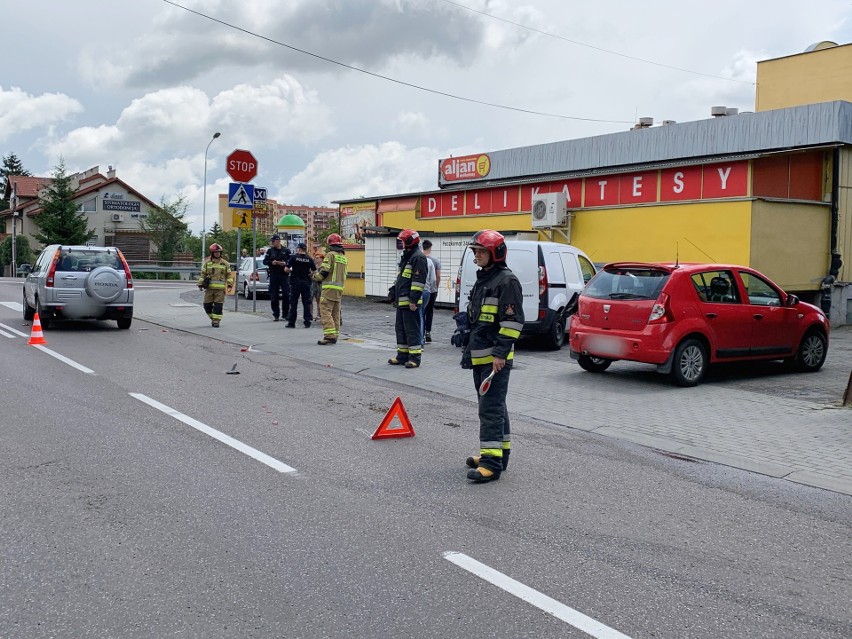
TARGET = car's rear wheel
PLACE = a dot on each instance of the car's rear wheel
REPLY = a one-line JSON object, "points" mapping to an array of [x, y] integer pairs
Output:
{"points": [[812, 351], [555, 337], [124, 322], [44, 316], [29, 312], [690, 363], [593, 364], [247, 293]]}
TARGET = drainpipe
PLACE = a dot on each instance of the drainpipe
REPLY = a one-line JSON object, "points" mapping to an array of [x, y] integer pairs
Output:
{"points": [[836, 261]]}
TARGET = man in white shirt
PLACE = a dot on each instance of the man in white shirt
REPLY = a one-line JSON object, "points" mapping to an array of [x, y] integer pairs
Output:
{"points": [[432, 281]]}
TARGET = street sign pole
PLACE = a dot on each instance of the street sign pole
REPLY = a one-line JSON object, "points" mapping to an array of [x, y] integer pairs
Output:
{"points": [[254, 252], [237, 276]]}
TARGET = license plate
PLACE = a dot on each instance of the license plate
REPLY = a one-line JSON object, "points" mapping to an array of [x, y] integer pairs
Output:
{"points": [[604, 345]]}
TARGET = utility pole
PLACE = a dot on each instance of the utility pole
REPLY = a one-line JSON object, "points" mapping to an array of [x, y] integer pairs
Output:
{"points": [[14, 201]]}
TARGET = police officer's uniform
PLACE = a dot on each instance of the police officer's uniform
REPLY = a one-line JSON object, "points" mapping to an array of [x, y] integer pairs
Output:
{"points": [[279, 281], [301, 267]]}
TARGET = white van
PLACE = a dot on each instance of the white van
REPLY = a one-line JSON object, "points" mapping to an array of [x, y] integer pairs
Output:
{"points": [[550, 274]]}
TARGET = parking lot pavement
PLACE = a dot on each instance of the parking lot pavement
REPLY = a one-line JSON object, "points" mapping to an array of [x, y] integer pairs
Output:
{"points": [[758, 417]]}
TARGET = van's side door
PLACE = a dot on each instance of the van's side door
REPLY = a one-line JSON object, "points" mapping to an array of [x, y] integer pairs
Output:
{"points": [[557, 293]]}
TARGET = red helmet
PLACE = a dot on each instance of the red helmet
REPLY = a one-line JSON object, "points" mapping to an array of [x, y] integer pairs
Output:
{"points": [[408, 238], [215, 247], [334, 238], [493, 241]]}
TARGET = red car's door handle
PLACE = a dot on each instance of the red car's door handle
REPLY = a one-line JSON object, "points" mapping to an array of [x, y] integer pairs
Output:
{"points": [[712, 315], [758, 316]]}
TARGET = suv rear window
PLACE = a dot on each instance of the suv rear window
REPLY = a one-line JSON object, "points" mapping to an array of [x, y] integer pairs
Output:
{"points": [[627, 284], [85, 261]]}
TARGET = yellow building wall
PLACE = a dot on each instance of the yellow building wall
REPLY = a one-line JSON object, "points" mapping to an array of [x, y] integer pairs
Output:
{"points": [[354, 286], [806, 78], [696, 232], [844, 214], [790, 243]]}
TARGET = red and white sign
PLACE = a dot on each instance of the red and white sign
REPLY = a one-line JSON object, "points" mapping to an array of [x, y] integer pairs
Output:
{"points": [[241, 166], [468, 167]]}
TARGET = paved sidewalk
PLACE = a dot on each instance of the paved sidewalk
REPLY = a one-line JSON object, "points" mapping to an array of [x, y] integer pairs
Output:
{"points": [[798, 440]]}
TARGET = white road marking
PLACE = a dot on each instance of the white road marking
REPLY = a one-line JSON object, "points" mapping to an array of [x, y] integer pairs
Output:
{"points": [[64, 359], [5, 334], [559, 610], [15, 306], [281, 467], [14, 330]]}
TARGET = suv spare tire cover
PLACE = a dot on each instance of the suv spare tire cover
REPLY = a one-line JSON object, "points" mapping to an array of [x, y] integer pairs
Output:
{"points": [[105, 284]]}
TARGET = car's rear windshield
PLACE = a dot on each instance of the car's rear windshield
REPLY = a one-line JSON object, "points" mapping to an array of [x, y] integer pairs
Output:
{"points": [[83, 261], [627, 284]]}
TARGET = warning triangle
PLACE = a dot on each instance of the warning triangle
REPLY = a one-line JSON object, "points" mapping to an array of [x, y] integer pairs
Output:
{"points": [[384, 430], [240, 196]]}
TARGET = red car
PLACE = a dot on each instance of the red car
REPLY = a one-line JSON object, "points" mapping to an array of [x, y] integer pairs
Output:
{"points": [[683, 317]]}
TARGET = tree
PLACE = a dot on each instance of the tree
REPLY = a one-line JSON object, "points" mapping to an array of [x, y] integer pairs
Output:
{"points": [[333, 227], [166, 228], [11, 166], [59, 222], [22, 248]]}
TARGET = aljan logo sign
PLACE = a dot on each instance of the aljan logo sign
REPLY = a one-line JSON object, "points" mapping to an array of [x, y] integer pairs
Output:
{"points": [[467, 167]]}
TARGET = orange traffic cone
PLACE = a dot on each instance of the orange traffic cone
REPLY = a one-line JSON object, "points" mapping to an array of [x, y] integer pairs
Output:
{"points": [[36, 337]]}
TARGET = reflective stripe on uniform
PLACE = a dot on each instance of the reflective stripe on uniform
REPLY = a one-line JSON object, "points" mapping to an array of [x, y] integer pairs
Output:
{"points": [[491, 452], [511, 329]]}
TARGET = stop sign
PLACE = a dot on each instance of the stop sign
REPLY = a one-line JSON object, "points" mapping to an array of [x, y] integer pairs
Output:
{"points": [[241, 166]]}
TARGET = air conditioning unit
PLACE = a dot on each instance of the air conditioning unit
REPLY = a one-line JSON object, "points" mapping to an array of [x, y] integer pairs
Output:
{"points": [[118, 217], [549, 209]]}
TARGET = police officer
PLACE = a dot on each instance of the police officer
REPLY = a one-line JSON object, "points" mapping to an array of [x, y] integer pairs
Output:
{"points": [[496, 313], [275, 259], [301, 268], [332, 275], [215, 278], [407, 295]]}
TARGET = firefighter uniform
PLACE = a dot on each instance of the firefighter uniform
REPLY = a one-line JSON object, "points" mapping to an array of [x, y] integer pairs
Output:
{"points": [[219, 272], [408, 289], [496, 315], [332, 275]]}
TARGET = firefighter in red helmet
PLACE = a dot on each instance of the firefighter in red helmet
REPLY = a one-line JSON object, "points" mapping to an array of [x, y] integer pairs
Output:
{"points": [[215, 278], [496, 314], [407, 296], [331, 275]]}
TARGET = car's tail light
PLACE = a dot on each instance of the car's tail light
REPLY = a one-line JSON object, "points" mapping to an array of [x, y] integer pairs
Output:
{"points": [[51, 271], [661, 312], [254, 277], [542, 280], [127, 274]]}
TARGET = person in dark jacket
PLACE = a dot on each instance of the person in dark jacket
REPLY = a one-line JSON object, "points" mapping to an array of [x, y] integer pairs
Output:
{"points": [[496, 314], [301, 268], [407, 294], [275, 259]]}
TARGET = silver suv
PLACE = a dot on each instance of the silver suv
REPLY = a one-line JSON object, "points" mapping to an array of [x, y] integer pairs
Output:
{"points": [[79, 282]]}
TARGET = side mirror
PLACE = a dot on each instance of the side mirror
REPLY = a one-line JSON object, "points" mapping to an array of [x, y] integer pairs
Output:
{"points": [[792, 300]]}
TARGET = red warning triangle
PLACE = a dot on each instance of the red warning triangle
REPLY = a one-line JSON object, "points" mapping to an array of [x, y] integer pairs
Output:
{"points": [[384, 430]]}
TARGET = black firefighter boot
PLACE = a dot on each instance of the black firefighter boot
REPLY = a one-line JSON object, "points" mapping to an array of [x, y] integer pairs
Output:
{"points": [[473, 461]]}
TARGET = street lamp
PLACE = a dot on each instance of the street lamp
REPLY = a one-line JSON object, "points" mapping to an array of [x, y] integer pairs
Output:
{"points": [[204, 202]]}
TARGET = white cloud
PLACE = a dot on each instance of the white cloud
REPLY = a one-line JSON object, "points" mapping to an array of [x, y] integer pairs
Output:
{"points": [[368, 170], [21, 111]]}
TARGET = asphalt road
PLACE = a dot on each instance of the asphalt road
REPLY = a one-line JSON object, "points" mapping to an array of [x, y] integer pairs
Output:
{"points": [[120, 519]]}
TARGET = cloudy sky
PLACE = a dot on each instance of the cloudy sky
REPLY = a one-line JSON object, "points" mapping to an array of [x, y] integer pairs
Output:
{"points": [[349, 98]]}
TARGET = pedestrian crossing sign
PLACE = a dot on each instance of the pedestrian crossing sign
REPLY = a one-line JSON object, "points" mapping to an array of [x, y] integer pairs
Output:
{"points": [[240, 196]]}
